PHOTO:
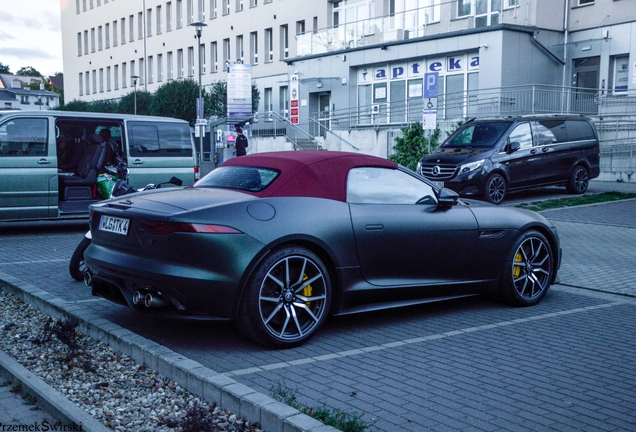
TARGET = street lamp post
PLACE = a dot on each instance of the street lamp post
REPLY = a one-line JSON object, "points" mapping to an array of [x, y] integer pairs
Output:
{"points": [[135, 78], [199, 28]]}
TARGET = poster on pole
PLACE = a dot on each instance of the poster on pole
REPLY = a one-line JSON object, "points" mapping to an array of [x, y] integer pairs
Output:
{"points": [[294, 107], [239, 93]]}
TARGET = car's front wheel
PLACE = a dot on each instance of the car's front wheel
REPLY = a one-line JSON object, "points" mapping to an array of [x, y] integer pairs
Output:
{"points": [[579, 180], [528, 270], [495, 189], [287, 299]]}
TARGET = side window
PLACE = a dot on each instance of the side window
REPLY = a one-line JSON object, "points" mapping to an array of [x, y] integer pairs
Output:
{"points": [[387, 186], [551, 131], [24, 137], [522, 135], [579, 130], [159, 139]]}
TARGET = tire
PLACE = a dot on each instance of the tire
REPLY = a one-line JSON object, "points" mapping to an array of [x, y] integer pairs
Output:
{"points": [[579, 181], [495, 189], [528, 271], [77, 268], [286, 300]]}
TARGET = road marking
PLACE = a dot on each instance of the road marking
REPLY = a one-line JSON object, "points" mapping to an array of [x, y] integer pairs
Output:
{"points": [[34, 262], [411, 341]]}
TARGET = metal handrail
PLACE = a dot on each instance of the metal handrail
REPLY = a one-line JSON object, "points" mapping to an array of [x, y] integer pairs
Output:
{"points": [[317, 123]]}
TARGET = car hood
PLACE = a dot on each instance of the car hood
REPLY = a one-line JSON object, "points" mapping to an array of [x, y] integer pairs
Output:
{"points": [[456, 155], [175, 201]]}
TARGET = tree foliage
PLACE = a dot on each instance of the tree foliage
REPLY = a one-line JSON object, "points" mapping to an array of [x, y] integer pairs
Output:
{"points": [[126, 104], [28, 71], [176, 99], [412, 145], [4, 69]]}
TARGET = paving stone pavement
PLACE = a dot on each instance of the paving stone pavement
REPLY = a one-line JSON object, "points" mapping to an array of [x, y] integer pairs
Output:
{"points": [[17, 412], [469, 364]]}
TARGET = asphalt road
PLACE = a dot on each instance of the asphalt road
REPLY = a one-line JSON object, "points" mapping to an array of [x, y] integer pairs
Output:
{"points": [[471, 364]]}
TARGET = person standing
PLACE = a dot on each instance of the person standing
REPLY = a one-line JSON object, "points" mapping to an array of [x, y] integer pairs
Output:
{"points": [[241, 143]]}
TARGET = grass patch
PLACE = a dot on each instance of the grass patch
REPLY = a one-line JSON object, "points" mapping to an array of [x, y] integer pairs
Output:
{"points": [[577, 201], [342, 420]]}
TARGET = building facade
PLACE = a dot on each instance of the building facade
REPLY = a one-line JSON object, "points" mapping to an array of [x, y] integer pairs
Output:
{"points": [[351, 67]]}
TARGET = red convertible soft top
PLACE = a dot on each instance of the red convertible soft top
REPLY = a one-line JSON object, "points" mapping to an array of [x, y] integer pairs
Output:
{"points": [[319, 174]]}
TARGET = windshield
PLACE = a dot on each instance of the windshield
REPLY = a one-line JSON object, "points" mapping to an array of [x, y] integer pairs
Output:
{"points": [[251, 179], [481, 135]]}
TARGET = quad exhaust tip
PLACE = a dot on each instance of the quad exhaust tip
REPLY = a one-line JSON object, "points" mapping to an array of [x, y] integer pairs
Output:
{"points": [[88, 278], [148, 299]]}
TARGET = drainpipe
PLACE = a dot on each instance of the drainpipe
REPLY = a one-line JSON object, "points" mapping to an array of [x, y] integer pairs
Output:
{"points": [[565, 44]]}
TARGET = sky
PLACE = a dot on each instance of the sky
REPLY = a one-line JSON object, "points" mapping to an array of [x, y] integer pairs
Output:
{"points": [[30, 35]]}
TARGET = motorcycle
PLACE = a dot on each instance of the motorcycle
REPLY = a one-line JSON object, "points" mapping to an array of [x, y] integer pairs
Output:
{"points": [[77, 268]]}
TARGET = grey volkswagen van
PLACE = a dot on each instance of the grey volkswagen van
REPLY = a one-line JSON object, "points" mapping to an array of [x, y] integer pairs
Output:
{"points": [[487, 158], [50, 160]]}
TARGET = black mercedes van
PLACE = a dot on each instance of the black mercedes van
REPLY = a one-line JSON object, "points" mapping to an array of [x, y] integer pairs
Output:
{"points": [[487, 158]]}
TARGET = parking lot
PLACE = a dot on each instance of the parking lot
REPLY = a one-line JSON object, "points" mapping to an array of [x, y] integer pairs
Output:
{"points": [[469, 364]]}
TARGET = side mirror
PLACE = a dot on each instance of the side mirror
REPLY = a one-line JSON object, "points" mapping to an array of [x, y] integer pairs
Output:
{"points": [[176, 181], [447, 198], [513, 147]]}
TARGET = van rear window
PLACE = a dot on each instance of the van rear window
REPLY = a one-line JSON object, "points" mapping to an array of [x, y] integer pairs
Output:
{"points": [[150, 139]]}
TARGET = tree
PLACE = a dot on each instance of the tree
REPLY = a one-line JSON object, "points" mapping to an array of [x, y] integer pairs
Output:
{"points": [[4, 69], [126, 104], [176, 99], [412, 145], [28, 71], [76, 105]]}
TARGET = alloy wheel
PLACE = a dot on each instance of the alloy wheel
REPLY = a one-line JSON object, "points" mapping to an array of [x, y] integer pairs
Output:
{"points": [[531, 268]]}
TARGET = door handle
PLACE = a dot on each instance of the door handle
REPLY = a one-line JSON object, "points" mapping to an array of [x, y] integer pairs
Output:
{"points": [[138, 162], [533, 151], [544, 150], [44, 162], [374, 227]]}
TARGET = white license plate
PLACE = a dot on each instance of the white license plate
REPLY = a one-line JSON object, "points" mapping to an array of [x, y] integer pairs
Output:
{"points": [[114, 224], [438, 184]]}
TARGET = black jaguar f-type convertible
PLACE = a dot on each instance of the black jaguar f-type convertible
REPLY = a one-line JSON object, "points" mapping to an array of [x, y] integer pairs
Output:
{"points": [[278, 241]]}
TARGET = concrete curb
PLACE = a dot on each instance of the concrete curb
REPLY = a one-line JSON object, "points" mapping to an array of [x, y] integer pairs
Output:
{"points": [[239, 399], [58, 406]]}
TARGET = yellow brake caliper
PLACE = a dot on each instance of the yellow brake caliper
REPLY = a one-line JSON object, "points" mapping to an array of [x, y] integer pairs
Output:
{"points": [[307, 290], [517, 268]]}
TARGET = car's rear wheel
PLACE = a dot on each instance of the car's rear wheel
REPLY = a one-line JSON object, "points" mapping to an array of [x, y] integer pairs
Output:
{"points": [[77, 267], [579, 180], [287, 299], [495, 189], [528, 270]]}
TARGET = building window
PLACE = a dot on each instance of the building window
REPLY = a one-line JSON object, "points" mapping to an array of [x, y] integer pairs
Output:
{"points": [[159, 29], [190, 12], [239, 5], [213, 8], [123, 31], [116, 76], [84, 9], [585, 2], [203, 63], [93, 40], [81, 82], [115, 33], [140, 25], [254, 48], [179, 14], [284, 41], [269, 46], [132, 68], [226, 7], [239, 49], [94, 81], [487, 12], [77, 11], [191, 61], [267, 102], [283, 101], [131, 28], [85, 41], [169, 66], [201, 10], [512, 3], [179, 63], [226, 51], [142, 72], [100, 45], [151, 70], [108, 79], [79, 44], [214, 57], [87, 83], [300, 27], [107, 35], [124, 75], [159, 67], [149, 22], [169, 16], [463, 8], [253, 3]]}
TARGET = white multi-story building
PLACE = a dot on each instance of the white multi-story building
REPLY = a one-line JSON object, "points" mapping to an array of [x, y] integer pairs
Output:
{"points": [[360, 64]]}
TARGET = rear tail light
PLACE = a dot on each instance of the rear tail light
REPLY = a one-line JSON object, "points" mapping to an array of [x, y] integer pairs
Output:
{"points": [[165, 228], [197, 174]]}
